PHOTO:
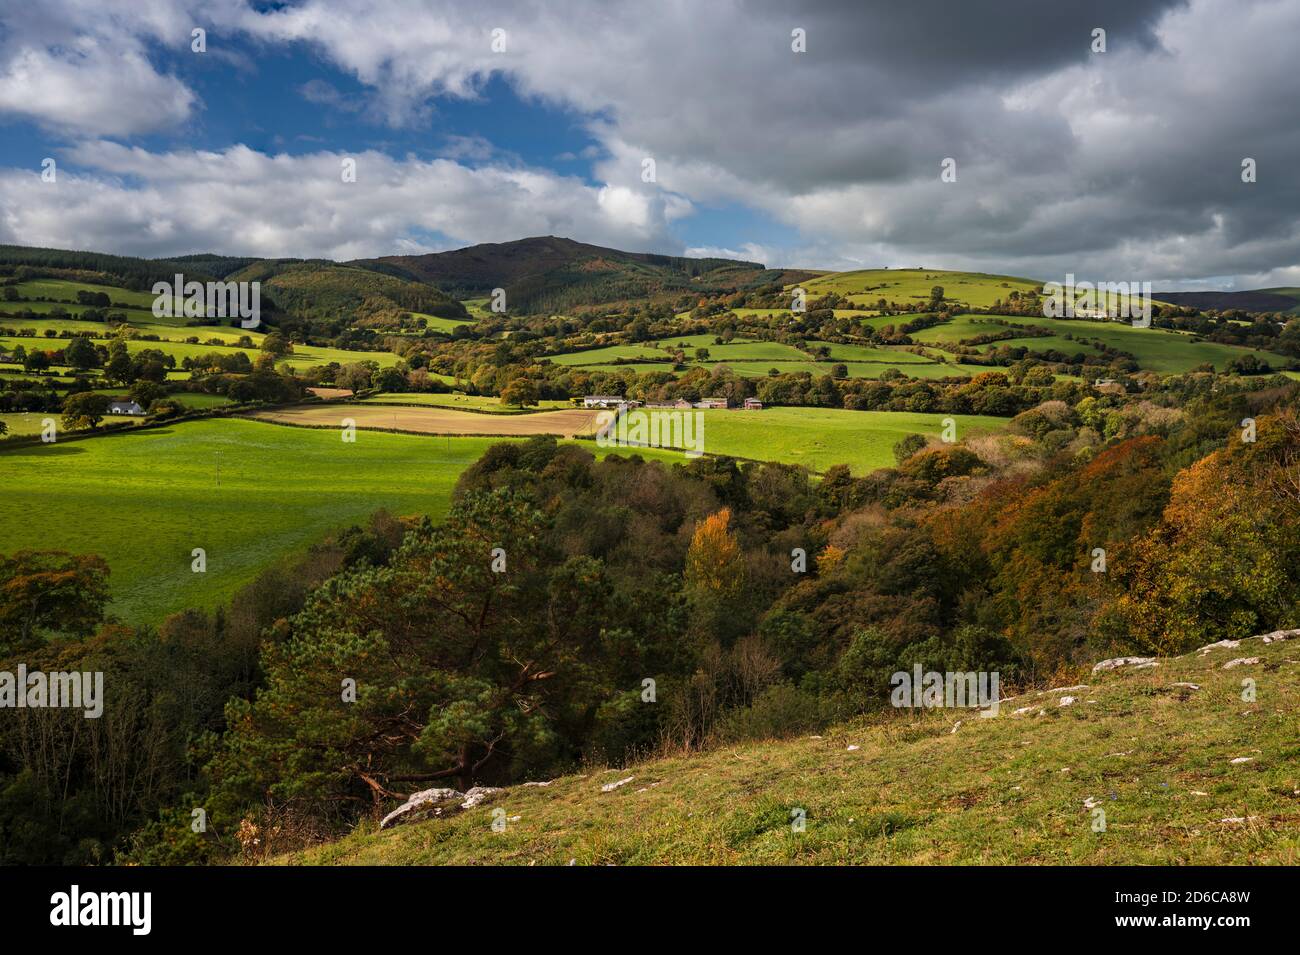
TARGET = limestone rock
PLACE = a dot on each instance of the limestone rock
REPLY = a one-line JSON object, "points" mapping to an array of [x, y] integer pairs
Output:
{"points": [[1277, 636], [1116, 662], [1224, 644], [436, 802], [477, 795]]}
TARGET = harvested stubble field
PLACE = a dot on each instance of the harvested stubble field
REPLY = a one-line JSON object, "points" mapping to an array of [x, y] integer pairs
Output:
{"points": [[431, 420]]}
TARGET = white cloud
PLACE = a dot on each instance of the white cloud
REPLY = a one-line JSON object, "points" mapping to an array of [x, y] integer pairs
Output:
{"points": [[89, 88], [749, 252], [242, 201]]}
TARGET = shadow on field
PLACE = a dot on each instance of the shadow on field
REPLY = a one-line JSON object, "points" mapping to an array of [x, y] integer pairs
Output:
{"points": [[35, 450], [68, 444]]}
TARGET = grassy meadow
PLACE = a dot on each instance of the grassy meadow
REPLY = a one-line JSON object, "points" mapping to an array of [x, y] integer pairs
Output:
{"points": [[143, 500], [441, 324], [1155, 349], [172, 332], [303, 355], [866, 287], [65, 290], [820, 437], [856, 369], [756, 359]]}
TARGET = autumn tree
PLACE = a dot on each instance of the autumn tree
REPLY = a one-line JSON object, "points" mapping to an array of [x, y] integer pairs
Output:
{"points": [[520, 392], [84, 410], [50, 591], [1222, 563], [714, 577]]}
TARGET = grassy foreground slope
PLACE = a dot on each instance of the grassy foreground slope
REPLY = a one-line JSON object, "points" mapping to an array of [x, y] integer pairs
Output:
{"points": [[1019, 788]]}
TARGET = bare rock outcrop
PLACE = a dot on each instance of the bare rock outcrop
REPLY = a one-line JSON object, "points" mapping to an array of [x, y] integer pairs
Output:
{"points": [[1116, 662], [436, 803]]}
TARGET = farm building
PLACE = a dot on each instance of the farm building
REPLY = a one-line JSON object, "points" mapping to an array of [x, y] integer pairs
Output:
{"points": [[124, 407], [753, 404], [608, 401], [711, 403]]}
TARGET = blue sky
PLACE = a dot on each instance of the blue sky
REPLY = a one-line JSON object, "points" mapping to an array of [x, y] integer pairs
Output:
{"points": [[294, 102], [1118, 164]]}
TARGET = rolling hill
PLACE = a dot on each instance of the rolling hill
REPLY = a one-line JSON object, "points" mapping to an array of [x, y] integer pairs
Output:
{"points": [[548, 273], [905, 286], [1257, 300], [322, 295], [324, 291]]}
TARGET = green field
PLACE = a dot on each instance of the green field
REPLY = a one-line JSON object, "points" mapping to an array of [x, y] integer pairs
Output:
{"points": [[912, 368], [282, 488], [28, 422], [841, 352], [594, 356], [143, 500], [65, 290], [760, 369], [820, 437], [977, 289], [172, 332], [302, 357], [147, 326], [478, 307], [755, 359], [737, 350], [441, 324], [133, 315], [1155, 349], [197, 400]]}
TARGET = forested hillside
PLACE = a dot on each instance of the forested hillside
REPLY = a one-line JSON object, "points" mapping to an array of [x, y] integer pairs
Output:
{"points": [[550, 274]]}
